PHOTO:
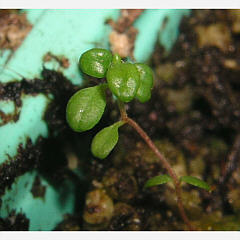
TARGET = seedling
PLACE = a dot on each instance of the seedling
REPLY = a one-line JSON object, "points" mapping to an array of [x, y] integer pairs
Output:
{"points": [[127, 82]]}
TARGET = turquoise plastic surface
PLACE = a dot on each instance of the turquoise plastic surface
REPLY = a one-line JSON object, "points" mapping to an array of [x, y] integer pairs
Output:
{"points": [[30, 124], [153, 25], [68, 33], [45, 213]]}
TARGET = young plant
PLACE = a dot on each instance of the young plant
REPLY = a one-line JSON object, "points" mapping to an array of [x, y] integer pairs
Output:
{"points": [[127, 81]]}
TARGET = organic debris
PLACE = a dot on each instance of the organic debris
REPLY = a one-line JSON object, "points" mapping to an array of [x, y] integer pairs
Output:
{"points": [[127, 18], [217, 35], [123, 36], [38, 190], [14, 222], [14, 27], [27, 159], [62, 60], [9, 117]]}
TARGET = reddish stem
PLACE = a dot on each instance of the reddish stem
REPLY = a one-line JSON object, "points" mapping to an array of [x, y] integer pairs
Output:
{"points": [[163, 160]]}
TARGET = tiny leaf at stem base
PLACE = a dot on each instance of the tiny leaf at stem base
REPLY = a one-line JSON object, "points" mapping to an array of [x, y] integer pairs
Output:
{"points": [[195, 182], [162, 179]]}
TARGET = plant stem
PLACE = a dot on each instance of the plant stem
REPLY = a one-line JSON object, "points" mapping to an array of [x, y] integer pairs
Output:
{"points": [[163, 160]]}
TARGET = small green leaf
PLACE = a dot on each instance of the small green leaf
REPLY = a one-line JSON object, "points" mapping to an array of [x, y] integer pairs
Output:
{"points": [[195, 182], [158, 180], [123, 80], [105, 140], [146, 82], [116, 58], [95, 62], [85, 108]]}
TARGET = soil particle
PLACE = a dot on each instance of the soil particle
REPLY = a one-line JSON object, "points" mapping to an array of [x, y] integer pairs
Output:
{"points": [[6, 118], [120, 43], [123, 43], [123, 36], [99, 207], [127, 18], [125, 218], [14, 27], [38, 190], [120, 185], [217, 35], [70, 223], [27, 159], [14, 222], [62, 60], [235, 17]]}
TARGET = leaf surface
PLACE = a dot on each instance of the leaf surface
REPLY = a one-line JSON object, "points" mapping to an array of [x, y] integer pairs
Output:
{"points": [[146, 82], [95, 62], [158, 180], [105, 140], [86, 107], [195, 182], [123, 80]]}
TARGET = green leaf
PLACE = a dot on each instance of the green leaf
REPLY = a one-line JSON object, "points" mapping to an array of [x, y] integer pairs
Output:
{"points": [[146, 82], [123, 80], [195, 182], [86, 107], [95, 62], [158, 180], [105, 140], [116, 58]]}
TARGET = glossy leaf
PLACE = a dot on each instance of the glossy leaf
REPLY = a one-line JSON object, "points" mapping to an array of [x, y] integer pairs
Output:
{"points": [[195, 182], [85, 108], [146, 82], [105, 140], [158, 180], [123, 80], [95, 62]]}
